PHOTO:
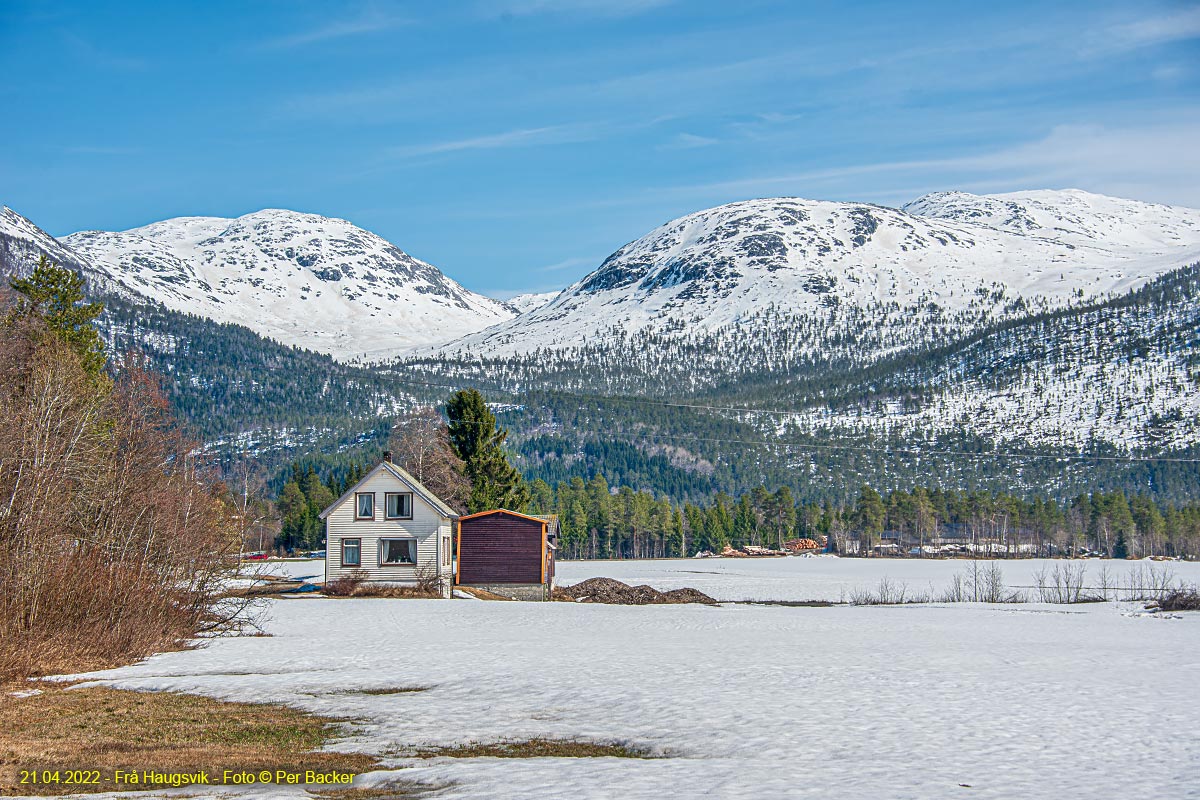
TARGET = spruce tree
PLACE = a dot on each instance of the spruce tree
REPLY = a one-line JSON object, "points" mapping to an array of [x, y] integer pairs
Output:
{"points": [[495, 483], [55, 294]]}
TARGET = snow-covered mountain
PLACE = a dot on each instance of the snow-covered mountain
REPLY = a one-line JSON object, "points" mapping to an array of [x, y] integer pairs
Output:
{"points": [[1121, 374], [22, 242], [531, 301], [303, 279], [952, 251]]}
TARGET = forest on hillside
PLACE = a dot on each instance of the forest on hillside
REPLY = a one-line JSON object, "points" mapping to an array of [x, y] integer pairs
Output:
{"points": [[256, 402]]}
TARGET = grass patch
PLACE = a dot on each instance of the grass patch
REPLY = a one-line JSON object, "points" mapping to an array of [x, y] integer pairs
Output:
{"points": [[105, 729], [389, 791], [483, 594], [395, 592], [535, 748], [382, 690], [784, 603]]}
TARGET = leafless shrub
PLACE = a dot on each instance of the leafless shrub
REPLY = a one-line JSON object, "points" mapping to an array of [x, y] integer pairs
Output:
{"points": [[429, 582], [886, 593], [345, 585], [1150, 582], [113, 543], [1181, 598], [980, 582], [1063, 584], [957, 592], [1105, 581]]}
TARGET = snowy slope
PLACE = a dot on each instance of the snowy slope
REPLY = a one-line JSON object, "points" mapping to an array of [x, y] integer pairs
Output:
{"points": [[22, 242], [531, 301], [1123, 374], [304, 279], [953, 250]]}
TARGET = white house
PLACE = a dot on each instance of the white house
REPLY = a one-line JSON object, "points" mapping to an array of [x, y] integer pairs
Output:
{"points": [[391, 529]]}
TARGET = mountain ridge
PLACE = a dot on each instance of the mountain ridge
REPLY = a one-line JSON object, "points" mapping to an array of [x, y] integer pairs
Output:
{"points": [[319, 282], [711, 267]]}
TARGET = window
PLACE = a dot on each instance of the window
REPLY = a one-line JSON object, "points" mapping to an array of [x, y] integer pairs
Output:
{"points": [[364, 505], [399, 506], [445, 552], [351, 552], [397, 551]]}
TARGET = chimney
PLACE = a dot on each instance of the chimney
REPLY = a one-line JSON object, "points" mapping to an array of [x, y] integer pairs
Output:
{"points": [[387, 456]]}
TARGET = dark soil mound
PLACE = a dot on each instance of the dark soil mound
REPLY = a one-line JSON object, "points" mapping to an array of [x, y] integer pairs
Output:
{"points": [[607, 590]]}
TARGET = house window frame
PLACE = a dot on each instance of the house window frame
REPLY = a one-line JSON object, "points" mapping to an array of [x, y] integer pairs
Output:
{"points": [[387, 497], [447, 552], [358, 507], [413, 549], [358, 544]]}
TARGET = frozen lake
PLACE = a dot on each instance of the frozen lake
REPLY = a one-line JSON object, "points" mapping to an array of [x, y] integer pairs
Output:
{"points": [[1030, 701]]}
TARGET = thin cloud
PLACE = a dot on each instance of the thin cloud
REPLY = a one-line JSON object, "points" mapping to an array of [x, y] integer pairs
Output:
{"points": [[1148, 32], [688, 141], [365, 24], [1155, 162], [522, 137], [1180, 26], [569, 263], [591, 8]]}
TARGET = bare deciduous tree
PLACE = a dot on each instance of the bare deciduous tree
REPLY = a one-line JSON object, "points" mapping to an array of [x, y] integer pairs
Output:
{"points": [[112, 543], [420, 443]]}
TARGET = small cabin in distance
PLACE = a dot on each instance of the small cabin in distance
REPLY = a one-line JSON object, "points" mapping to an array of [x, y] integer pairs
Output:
{"points": [[507, 553]]}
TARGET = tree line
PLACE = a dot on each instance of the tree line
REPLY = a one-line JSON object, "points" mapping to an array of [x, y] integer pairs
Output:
{"points": [[597, 521], [463, 460]]}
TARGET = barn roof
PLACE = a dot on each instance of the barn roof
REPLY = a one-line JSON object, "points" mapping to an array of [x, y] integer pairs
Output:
{"points": [[404, 477], [478, 514]]}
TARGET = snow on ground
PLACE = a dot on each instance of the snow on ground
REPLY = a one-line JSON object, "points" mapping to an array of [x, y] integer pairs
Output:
{"points": [[305, 569], [834, 579], [1025, 701]]}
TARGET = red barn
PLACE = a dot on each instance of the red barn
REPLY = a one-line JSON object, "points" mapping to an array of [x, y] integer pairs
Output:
{"points": [[507, 553]]}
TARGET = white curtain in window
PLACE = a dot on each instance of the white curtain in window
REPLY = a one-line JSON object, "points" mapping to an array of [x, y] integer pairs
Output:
{"points": [[398, 551]]}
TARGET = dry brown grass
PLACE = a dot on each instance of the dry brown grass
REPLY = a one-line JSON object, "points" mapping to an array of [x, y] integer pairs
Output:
{"points": [[394, 790], [535, 748], [483, 594], [356, 585], [402, 592], [107, 729]]}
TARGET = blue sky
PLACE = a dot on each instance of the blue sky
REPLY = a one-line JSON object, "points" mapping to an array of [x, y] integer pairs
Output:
{"points": [[516, 143]]}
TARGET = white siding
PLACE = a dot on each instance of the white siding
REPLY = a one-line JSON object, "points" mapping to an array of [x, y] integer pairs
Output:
{"points": [[427, 526]]}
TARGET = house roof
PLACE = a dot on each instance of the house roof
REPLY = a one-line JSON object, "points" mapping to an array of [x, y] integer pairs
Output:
{"points": [[478, 514], [405, 478]]}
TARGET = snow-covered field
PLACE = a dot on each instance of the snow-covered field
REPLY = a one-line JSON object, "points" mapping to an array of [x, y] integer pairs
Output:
{"points": [[1030, 701], [836, 579]]}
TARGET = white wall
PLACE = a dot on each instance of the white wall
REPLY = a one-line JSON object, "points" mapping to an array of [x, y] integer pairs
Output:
{"points": [[428, 527]]}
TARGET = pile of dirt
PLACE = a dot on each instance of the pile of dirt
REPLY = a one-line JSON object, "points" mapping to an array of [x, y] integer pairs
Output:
{"points": [[614, 592]]}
